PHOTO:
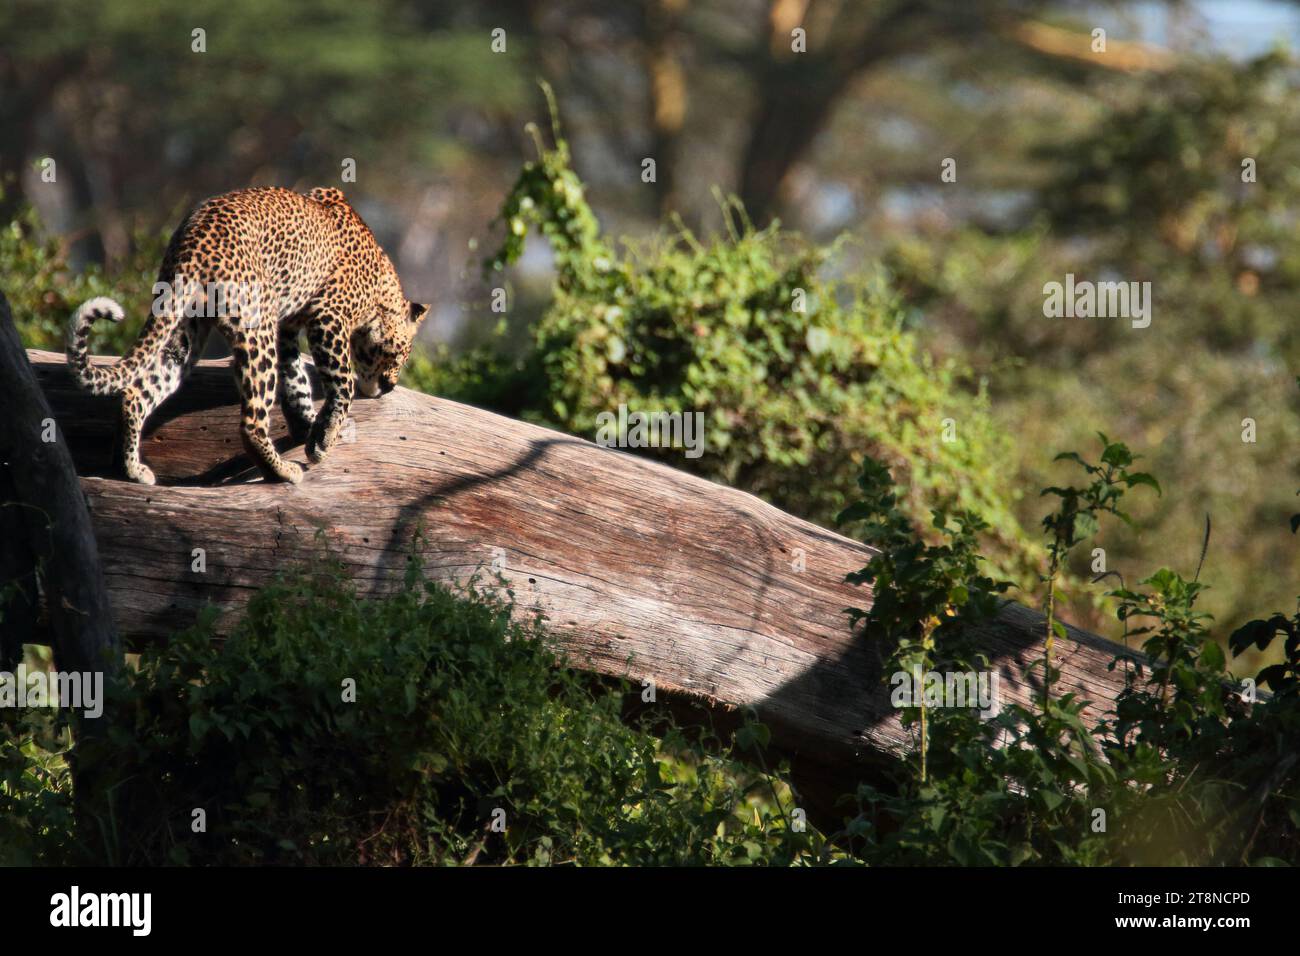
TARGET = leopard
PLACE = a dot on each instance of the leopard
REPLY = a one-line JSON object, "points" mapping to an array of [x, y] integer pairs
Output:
{"points": [[265, 267]]}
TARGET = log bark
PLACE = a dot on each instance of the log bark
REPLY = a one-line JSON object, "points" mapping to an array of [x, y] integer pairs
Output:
{"points": [[46, 527], [641, 571]]}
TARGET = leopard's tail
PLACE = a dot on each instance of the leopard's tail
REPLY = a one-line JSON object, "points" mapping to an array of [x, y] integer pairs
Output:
{"points": [[96, 379], [111, 379]]}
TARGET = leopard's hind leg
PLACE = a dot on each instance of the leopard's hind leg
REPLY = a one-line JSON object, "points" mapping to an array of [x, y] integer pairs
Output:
{"points": [[154, 385]]}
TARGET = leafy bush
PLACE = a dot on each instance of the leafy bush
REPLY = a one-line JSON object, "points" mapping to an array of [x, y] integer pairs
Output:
{"points": [[457, 712], [1181, 771], [35, 789]]}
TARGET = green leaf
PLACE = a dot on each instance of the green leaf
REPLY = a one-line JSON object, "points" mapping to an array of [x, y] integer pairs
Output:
{"points": [[1212, 656], [1142, 478], [1070, 456], [1117, 455]]}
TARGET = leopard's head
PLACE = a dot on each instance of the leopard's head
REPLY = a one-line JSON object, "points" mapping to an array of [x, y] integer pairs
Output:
{"points": [[381, 347]]}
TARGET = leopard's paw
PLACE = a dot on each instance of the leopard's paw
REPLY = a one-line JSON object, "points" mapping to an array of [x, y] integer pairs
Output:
{"points": [[142, 474], [316, 447]]}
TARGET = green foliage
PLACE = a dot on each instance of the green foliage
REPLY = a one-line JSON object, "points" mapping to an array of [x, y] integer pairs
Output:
{"points": [[458, 712], [1077, 519], [35, 789], [1011, 790], [922, 596], [912, 581], [1182, 772], [1185, 661], [481, 376], [797, 370], [1284, 676], [1004, 789]]}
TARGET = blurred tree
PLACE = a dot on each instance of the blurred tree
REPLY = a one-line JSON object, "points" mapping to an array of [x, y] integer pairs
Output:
{"points": [[1186, 180], [141, 110], [714, 92]]}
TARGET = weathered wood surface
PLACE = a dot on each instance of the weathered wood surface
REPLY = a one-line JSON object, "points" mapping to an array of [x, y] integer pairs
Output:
{"points": [[641, 570], [43, 518]]}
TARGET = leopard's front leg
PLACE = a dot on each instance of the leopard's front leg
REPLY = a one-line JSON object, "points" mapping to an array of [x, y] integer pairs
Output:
{"points": [[255, 368], [332, 350]]}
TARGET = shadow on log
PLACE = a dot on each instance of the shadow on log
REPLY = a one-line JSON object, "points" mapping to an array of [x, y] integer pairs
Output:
{"points": [[641, 571]]}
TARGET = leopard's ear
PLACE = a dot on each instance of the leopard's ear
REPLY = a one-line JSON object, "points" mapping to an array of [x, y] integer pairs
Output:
{"points": [[418, 312]]}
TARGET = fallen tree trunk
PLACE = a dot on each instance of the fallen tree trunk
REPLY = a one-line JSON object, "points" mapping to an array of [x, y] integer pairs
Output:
{"points": [[642, 571]]}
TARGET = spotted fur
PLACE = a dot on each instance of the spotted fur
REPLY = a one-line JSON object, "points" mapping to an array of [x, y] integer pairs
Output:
{"points": [[315, 268]]}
